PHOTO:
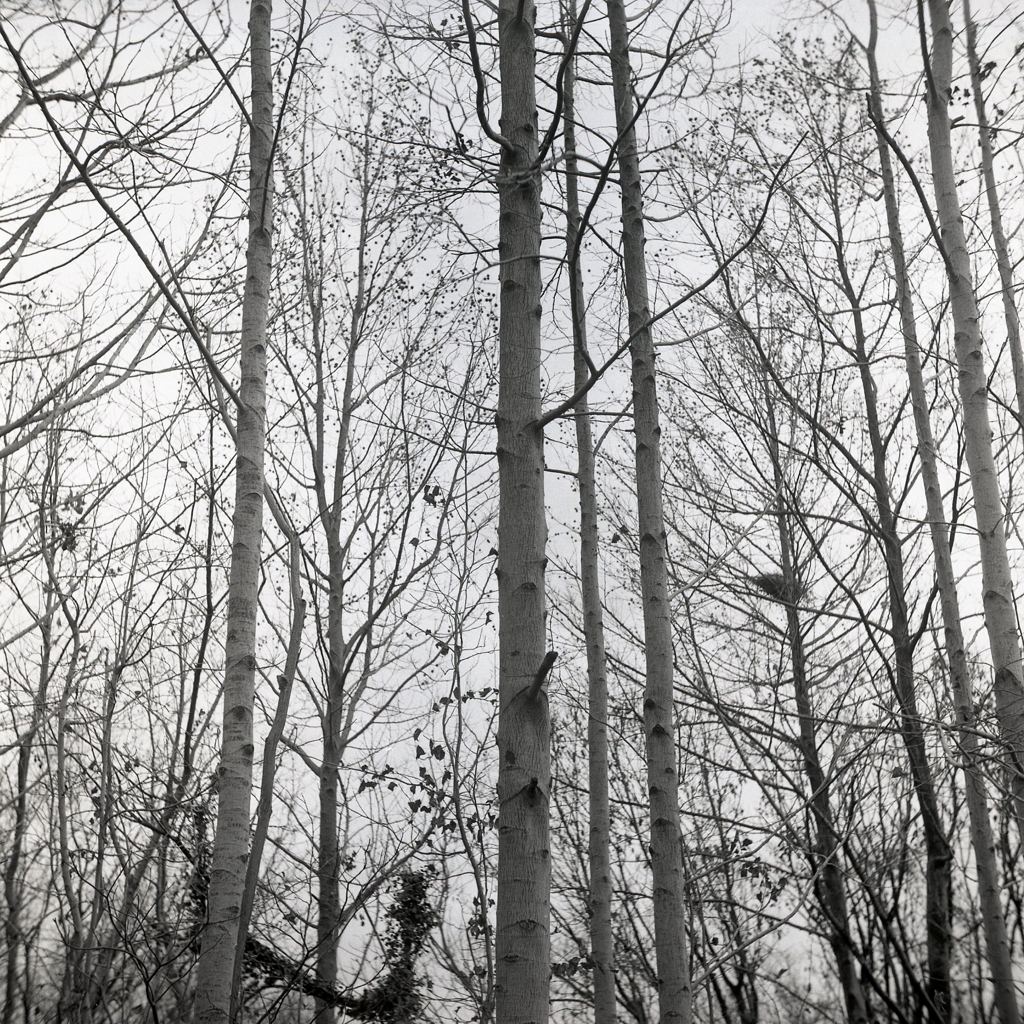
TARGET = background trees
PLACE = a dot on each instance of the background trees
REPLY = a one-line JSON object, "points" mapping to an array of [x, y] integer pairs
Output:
{"points": [[828, 724]]}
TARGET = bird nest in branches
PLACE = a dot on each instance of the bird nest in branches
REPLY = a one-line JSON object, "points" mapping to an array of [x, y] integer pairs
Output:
{"points": [[778, 588]]}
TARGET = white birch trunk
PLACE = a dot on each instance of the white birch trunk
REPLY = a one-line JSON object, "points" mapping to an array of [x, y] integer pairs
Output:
{"points": [[234, 774], [989, 886], [999, 242], [997, 583]]}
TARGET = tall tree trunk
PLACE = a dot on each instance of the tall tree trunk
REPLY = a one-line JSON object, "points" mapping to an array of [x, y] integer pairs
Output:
{"points": [[997, 582], [522, 939], [13, 889], [995, 214], [939, 857], [234, 774], [989, 887], [602, 950], [829, 877], [14, 892], [674, 991], [77, 933], [332, 724], [265, 807], [328, 897]]}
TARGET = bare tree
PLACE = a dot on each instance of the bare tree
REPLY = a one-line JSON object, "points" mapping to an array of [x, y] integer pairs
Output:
{"points": [[997, 583], [995, 212], [602, 949], [659, 709], [376, 399], [522, 936], [234, 774], [997, 944]]}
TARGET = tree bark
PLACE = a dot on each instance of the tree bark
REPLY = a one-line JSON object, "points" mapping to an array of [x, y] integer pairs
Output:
{"points": [[602, 952], [674, 991], [989, 886], [234, 774], [522, 939], [999, 242], [997, 583], [265, 807]]}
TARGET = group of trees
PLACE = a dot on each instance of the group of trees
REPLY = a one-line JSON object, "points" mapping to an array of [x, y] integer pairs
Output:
{"points": [[509, 511]]}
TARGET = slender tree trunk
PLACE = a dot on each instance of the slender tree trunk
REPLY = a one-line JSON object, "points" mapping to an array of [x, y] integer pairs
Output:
{"points": [[830, 883], [989, 888], [995, 214], [602, 951], [330, 508], [328, 898], [99, 960], [522, 940], [14, 894], [997, 582], [674, 992], [939, 857], [234, 774], [73, 1004], [265, 807]]}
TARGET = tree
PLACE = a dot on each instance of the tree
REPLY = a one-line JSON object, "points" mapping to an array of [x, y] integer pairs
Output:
{"points": [[997, 583], [522, 937], [377, 384], [602, 948], [784, 310], [986, 134], [675, 996], [234, 774], [997, 944], [826, 852]]}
